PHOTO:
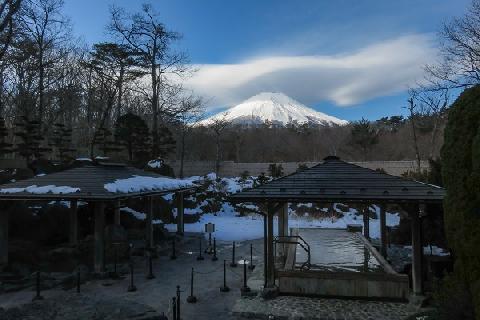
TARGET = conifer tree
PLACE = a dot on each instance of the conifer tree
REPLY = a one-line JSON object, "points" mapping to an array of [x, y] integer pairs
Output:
{"points": [[5, 147], [132, 133], [29, 131]]}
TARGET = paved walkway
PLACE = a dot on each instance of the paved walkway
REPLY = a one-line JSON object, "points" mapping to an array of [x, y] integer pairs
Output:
{"points": [[286, 308]]}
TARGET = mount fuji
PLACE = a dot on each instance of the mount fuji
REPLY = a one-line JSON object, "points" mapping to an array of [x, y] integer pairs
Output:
{"points": [[273, 107]]}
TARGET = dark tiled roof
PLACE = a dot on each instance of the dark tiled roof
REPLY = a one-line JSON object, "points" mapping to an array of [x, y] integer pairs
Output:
{"points": [[90, 179], [337, 180]]}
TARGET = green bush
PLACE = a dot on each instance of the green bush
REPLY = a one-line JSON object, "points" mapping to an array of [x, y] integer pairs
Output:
{"points": [[461, 177]]}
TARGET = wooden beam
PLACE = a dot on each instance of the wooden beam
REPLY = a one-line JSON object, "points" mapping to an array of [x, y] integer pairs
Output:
{"points": [[116, 215], [366, 221], [73, 234], [148, 222], [265, 249], [417, 250], [283, 228], [271, 258], [99, 234], [383, 230], [180, 213]]}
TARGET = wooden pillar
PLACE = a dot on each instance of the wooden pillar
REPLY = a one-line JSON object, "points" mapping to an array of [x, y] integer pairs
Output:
{"points": [[283, 228], [265, 249], [417, 250], [4, 237], [180, 214], [148, 222], [73, 234], [99, 242], [116, 212], [271, 258], [383, 230], [366, 221]]}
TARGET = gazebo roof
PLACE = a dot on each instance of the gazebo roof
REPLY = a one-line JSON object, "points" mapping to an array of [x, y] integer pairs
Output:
{"points": [[93, 182], [336, 180]]}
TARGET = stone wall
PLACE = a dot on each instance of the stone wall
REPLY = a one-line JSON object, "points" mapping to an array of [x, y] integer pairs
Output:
{"points": [[231, 169]]}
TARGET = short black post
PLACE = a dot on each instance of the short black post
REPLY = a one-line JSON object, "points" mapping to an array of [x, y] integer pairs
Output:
{"points": [[245, 288], [209, 249], [150, 268], [191, 298], [78, 280], [200, 257], [224, 288], [214, 258], [174, 308], [251, 266], [115, 258], [233, 263], [38, 296], [174, 254], [178, 302], [131, 287]]}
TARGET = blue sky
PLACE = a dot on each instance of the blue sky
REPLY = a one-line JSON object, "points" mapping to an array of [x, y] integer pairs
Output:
{"points": [[350, 59]]}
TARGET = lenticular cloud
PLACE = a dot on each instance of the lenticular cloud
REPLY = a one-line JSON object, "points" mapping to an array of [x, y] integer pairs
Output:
{"points": [[346, 79]]}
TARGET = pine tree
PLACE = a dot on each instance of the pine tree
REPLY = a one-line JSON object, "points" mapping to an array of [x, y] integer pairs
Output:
{"points": [[61, 141], [364, 135], [5, 147], [29, 131], [132, 133]]}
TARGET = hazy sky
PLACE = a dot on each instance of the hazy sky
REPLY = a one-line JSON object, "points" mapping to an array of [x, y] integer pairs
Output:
{"points": [[345, 58]]}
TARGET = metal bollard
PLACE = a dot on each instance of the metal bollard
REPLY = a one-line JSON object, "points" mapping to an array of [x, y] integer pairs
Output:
{"points": [[214, 258], [131, 287], [191, 298], [200, 257], [174, 308], [224, 288], [178, 302], [150, 268], [251, 266], [38, 296], [233, 264], [78, 280], [244, 288], [174, 255]]}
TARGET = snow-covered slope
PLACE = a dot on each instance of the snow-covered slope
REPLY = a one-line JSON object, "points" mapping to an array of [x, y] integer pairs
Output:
{"points": [[273, 107]]}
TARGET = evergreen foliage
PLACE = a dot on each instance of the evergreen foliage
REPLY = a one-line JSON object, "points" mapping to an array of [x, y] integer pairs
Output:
{"points": [[364, 135], [461, 177], [5, 147], [132, 133], [61, 141], [29, 131]]}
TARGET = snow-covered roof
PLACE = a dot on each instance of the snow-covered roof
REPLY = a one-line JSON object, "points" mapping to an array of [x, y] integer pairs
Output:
{"points": [[94, 182]]}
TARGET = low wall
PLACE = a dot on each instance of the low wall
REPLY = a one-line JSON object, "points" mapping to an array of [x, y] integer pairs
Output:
{"points": [[232, 169], [13, 164]]}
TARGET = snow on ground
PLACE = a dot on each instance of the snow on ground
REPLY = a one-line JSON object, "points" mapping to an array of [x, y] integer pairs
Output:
{"points": [[137, 214], [155, 164], [52, 189], [84, 159], [145, 183]]}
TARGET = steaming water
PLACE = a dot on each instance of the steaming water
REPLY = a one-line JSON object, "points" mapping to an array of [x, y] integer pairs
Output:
{"points": [[336, 250]]}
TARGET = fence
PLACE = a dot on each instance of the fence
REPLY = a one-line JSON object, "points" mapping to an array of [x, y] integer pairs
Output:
{"points": [[232, 169]]}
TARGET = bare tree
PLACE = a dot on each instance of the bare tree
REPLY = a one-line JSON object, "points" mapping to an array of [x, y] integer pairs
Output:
{"points": [[460, 51], [191, 111], [151, 42], [8, 10], [218, 126]]}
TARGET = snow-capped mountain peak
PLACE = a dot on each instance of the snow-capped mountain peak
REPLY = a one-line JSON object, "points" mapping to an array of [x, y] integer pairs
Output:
{"points": [[273, 107]]}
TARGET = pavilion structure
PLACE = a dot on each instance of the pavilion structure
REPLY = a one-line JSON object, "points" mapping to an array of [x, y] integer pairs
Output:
{"points": [[102, 185], [336, 181]]}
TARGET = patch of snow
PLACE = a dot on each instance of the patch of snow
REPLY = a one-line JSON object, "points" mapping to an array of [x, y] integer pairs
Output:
{"points": [[41, 174], [42, 190], [101, 158], [431, 251], [155, 164], [84, 159], [137, 214], [145, 183]]}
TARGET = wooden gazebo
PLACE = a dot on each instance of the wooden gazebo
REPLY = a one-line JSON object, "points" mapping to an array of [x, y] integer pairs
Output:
{"points": [[335, 180], [101, 184]]}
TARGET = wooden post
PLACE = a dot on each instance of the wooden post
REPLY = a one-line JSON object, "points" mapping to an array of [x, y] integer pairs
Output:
{"points": [[180, 213], [366, 221], [116, 212], [283, 227], [265, 249], [271, 258], [4, 237], [148, 222], [417, 250], [383, 230], [73, 235], [99, 255]]}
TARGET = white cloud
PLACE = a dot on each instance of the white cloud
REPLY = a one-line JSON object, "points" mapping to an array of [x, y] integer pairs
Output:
{"points": [[346, 79]]}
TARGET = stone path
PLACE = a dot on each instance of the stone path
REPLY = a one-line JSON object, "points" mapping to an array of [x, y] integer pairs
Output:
{"points": [[287, 307]]}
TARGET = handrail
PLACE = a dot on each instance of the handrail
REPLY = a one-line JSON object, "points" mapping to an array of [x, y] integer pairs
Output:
{"points": [[299, 241]]}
